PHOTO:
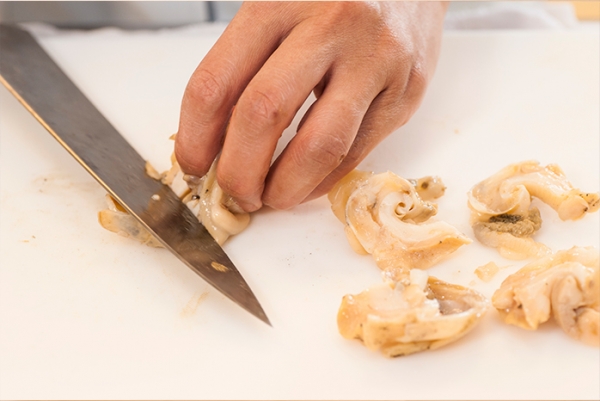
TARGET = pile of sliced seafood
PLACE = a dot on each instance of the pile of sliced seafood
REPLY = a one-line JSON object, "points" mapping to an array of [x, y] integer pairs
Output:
{"points": [[391, 218], [217, 211]]}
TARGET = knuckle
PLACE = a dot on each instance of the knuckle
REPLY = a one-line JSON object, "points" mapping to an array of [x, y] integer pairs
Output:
{"points": [[280, 194], [351, 10], [324, 151], [370, 134], [411, 95], [334, 18], [417, 80], [355, 156], [207, 89], [236, 186], [190, 164], [262, 107]]}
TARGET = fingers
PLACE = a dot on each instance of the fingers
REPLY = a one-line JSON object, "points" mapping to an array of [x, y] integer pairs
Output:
{"points": [[375, 128], [357, 59], [349, 119], [215, 87], [265, 108], [323, 141], [390, 110]]}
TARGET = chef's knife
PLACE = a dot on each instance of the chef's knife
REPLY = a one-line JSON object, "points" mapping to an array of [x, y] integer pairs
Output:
{"points": [[44, 89]]}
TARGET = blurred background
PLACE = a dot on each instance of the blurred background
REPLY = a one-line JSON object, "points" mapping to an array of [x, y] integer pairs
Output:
{"points": [[166, 14], [121, 14]]}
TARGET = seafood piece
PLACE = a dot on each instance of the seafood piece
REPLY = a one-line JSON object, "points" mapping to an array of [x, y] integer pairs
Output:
{"points": [[339, 194], [425, 313], [217, 211], [385, 216], [118, 220], [429, 187], [174, 179], [565, 285], [510, 190], [502, 216], [487, 272], [151, 172], [511, 234]]}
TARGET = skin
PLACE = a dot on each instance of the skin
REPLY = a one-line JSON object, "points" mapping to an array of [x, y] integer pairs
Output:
{"points": [[368, 64]]}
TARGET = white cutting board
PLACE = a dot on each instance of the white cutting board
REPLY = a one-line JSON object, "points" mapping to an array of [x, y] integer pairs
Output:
{"points": [[85, 313]]}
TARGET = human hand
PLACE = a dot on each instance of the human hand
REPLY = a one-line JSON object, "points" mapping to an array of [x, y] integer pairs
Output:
{"points": [[367, 63]]}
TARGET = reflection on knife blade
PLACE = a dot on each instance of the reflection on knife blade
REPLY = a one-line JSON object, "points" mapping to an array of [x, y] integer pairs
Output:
{"points": [[45, 91]]}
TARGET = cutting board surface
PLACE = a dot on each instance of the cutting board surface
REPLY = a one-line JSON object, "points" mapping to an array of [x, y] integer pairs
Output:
{"points": [[85, 313]]}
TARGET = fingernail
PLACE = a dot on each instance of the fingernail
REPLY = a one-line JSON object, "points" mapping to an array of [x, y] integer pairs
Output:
{"points": [[249, 206]]}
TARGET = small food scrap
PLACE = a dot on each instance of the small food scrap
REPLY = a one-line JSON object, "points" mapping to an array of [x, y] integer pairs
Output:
{"points": [[501, 213], [386, 217], [151, 172], [565, 285], [174, 179], [156, 197], [487, 272], [400, 319], [429, 187], [192, 305], [219, 267], [118, 220]]}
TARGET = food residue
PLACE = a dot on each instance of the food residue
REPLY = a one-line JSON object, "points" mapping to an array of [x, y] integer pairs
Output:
{"points": [[487, 272], [151, 172], [219, 267], [192, 306]]}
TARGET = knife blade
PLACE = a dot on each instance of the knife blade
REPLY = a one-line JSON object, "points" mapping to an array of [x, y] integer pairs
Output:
{"points": [[30, 74]]}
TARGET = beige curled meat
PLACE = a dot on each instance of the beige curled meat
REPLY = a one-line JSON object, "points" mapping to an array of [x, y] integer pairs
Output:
{"points": [[118, 220], [501, 213], [565, 285], [339, 194], [386, 217], [217, 211], [487, 272], [425, 313], [429, 187]]}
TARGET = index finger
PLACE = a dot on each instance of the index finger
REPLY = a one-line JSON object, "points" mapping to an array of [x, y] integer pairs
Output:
{"points": [[215, 86]]}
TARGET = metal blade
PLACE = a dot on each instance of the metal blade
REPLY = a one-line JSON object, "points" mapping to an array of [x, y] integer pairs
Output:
{"points": [[43, 88]]}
